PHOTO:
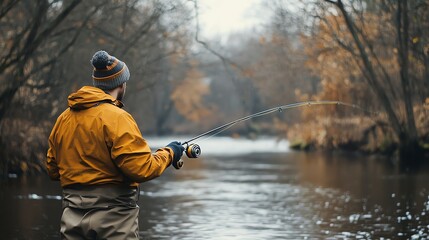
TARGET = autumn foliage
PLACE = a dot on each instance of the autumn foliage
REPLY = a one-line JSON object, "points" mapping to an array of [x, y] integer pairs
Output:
{"points": [[359, 61], [188, 97]]}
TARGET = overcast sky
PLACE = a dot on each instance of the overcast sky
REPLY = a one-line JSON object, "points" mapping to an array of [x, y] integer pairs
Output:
{"points": [[222, 17]]}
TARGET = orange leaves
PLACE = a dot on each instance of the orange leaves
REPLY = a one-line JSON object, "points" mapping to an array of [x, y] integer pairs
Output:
{"points": [[188, 97], [334, 58]]}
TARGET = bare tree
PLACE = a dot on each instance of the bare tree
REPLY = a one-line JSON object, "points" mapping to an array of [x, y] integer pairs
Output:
{"points": [[45, 49], [375, 72], [25, 42], [27, 27]]}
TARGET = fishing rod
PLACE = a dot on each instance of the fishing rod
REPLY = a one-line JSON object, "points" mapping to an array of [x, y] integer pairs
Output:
{"points": [[194, 150]]}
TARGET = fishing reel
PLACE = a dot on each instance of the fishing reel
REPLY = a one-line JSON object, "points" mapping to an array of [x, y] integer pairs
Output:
{"points": [[193, 150]]}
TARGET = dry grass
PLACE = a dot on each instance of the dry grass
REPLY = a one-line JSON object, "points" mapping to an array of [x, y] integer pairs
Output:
{"points": [[362, 134]]}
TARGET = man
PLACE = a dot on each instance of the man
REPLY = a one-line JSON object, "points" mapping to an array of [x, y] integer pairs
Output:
{"points": [[98, 154]]}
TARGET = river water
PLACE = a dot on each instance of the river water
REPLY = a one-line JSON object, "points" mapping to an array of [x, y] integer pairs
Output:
{"points": [[243, 189]]}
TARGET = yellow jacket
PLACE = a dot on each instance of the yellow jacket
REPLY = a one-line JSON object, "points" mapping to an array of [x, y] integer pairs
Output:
{"points": [[94, 141]]}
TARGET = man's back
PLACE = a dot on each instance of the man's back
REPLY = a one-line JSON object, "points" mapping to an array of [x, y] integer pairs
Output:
{"points": [[96, 142], [97, 152]]}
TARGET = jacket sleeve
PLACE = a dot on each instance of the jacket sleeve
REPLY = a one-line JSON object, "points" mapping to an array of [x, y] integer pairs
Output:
{"points": [[132, 154], [51, 163]]}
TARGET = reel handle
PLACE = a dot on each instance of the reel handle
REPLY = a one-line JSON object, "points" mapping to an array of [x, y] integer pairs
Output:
{"points": [[178, 165]]}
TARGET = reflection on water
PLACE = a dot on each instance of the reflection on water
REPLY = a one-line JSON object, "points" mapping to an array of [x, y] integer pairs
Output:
{"points": [[282, 195]]}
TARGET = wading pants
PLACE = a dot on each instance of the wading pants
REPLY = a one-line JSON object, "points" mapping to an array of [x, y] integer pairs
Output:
{"points": [[100, 212]]}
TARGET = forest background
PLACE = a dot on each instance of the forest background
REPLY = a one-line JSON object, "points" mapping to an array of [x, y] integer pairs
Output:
{"points": [[372, 53]]}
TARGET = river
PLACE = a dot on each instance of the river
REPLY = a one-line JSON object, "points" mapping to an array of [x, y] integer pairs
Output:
{"points": [[244, 189]]}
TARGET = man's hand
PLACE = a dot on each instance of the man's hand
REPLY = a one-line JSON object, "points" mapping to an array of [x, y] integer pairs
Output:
{"points": [[178, 152]]}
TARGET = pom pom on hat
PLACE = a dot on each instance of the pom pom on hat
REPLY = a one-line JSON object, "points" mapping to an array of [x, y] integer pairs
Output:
{"points": [[100, 60], [109, 72]]}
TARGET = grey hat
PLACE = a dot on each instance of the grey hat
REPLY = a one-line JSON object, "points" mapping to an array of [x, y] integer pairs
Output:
{"points": [[109, 72]]}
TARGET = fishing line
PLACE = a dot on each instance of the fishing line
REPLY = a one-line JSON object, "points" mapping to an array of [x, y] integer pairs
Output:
{"points": [[193, 150], [224, 127]]}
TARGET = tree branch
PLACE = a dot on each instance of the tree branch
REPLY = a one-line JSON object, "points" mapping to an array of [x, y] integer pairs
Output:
{"points": [[7, 7], [371, 72], [224, 60]]}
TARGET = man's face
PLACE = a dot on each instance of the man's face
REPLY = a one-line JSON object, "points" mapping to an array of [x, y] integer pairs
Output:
{"points": [[121, 93]]}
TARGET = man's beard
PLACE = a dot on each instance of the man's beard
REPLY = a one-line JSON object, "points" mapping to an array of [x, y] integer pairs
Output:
{"points": [[121, 95]]}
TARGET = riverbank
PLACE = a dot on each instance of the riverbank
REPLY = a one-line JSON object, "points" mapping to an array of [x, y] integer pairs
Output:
{"points": [[354, 134]]}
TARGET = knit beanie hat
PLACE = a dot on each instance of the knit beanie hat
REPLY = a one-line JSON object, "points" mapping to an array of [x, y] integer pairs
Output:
{"points": [[109, 72]]}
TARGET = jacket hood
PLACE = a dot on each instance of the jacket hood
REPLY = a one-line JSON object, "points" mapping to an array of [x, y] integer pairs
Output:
{"points": [[88, 97]]}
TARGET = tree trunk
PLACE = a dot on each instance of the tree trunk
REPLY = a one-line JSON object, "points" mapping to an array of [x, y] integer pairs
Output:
{"points": [[4, 165], [372, 76], [410, 151], [402, 29], [409, 147]]}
